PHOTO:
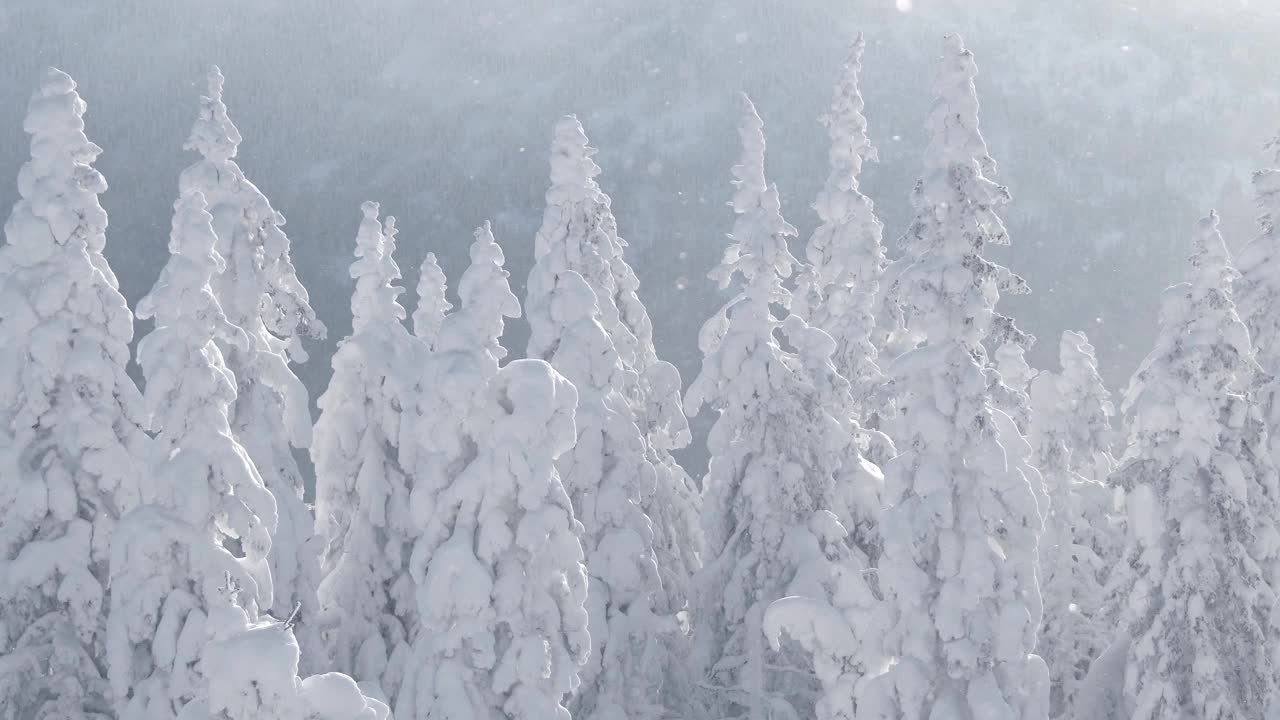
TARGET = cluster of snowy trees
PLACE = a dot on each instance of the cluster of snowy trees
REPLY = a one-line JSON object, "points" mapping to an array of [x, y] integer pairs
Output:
{"points": [[901, 519]]}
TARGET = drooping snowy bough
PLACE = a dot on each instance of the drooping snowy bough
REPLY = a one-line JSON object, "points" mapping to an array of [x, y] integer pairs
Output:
{"points": [[362, 484], [775, 516], [1191, 589], [260, 293], [961, 520], [71, 441]]}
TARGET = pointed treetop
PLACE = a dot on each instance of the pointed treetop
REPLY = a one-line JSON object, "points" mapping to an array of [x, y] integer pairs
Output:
{"points": [[1210, 261], [953, 121], [485, 295], [749, 172], [56, 82], [432, 303], [573, 171], [846, 125], [758, 246], [374, 299], [182, 292], [214, 135]]}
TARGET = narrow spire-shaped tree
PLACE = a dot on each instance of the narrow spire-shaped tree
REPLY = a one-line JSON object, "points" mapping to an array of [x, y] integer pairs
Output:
{"points": [[580, 232], [432, 304], [259, 291], [71, 442], [961, 520], [781, 436], [362, 484], [1193, 595], [1070, 432], [839, 289], [171, 569]]}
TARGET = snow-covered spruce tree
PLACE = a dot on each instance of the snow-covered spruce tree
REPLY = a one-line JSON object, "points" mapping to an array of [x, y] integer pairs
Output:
{"points": [[260, 293], [200, 496], [580, 231], [432, 304], [1191, 586], [606, 473], [1079, 545], [439, 445], [961, 520], [780, 440], [362, 483], [71, 442], [839, 289], [498, 563]]}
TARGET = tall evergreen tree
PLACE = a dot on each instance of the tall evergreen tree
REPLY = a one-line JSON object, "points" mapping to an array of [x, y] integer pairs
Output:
{"points": [[839, 289], [781, 437], [259, 291], [498, 563], [961, 519], [432, 304], [172, 565], [1070, 432], [606, 473], [362, 483], [580, 231], [1194, 598], [71, 442]]}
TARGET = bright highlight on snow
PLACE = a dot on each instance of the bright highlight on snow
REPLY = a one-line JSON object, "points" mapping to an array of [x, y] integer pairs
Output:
{"points": [[901, 519]]}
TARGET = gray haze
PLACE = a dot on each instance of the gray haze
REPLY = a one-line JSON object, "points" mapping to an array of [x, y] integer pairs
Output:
{"points": [[1115, 124]]}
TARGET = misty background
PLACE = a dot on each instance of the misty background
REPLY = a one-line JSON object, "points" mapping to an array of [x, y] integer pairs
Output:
{"points": [[1115, 125]]}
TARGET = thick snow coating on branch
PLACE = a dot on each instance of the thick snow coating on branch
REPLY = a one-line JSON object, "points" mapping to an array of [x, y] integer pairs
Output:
{"points": [[260, 292], [958, 569], [1195, 587], [501, 585], [783, 463], [362, 482], [71, 443]]}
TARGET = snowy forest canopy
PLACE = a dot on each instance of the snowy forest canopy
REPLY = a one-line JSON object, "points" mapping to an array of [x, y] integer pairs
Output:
{"points": [[874, 494]]}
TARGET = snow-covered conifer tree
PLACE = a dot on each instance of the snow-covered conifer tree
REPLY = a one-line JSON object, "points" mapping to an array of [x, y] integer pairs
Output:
{"points": [[961, 520], [1257, 292], [1069, 432], [432, 304], [201, 496], [1076, 410], [1191, 588], [781, 437], [606, 473], [839, 289], [362, 483], [259, 291], [71, 441], [501, 585], [580, 232]]}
